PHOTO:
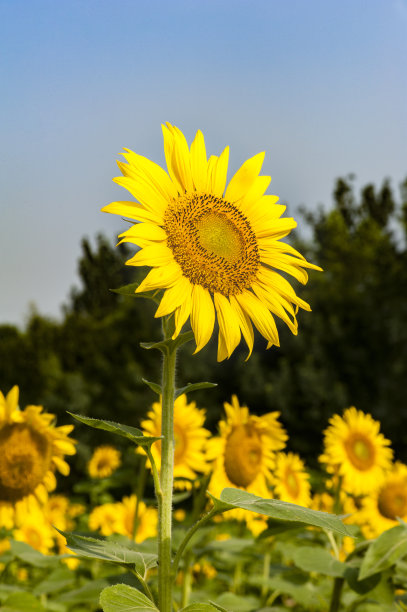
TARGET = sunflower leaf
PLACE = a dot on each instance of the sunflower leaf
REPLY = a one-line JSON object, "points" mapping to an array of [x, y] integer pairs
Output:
{"points": [[131, 433], [194, 387], [169, 345], [107, 550], [123, 598], [384, 552], [277, 510], [130, 290], [31, 556], [153, 386], [201, 607]]}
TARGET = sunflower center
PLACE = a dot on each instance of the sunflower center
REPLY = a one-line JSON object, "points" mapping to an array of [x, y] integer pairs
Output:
{"points": [[243, 455], [25, 458], [360, 451], [291, 482], [213, 243], [392, 501]]}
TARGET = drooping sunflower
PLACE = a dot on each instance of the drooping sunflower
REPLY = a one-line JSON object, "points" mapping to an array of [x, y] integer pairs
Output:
{"points": [[32, 448], [291, 480], [104, 461], [215, 250], [355, 450], [381, 509], [244, 454], [190, 439]]}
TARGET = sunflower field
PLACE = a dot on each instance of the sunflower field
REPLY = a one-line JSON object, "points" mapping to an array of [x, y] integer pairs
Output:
{"points": [[137, 497]]}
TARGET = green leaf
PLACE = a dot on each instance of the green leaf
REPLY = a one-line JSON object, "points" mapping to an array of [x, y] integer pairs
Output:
{"points": [[278, 510], [168, 346], [107, 550], [131, 433], [385, 551], [29, 555], [153, 386], [123, 598], [201, 607], [89, 593], [130, 290], [236, 603], [317, 559], [22, 602], [361, 586], [194, 387], [59, 579]]}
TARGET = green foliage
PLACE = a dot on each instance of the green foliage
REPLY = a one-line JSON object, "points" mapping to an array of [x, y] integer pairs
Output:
{"points": [[122, 598]]}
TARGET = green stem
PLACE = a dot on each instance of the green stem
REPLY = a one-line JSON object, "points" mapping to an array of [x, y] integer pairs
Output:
{"points": [[144, 585], [165, 581], [266, 574], [336, 595], [186, 584], [141, 483]]}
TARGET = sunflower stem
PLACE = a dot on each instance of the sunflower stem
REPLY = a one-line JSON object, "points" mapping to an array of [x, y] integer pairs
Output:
{"points": [[336, 595], [165, 581]]}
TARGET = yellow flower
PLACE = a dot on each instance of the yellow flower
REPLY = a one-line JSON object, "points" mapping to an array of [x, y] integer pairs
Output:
{"points": [[118, 518], [190, 439], [104, 461], [291, 480], [35, 531], [381, 509], [31, 449], [355, 450], [244, 453], [215, 250]]}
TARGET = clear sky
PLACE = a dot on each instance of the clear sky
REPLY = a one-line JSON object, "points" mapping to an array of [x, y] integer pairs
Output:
{"points": [[320, 86]]}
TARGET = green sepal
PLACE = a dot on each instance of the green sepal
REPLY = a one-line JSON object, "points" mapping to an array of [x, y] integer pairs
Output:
{"points": [[168, 346], [126, 431], [153, 386], [384, 552], [194, 387], [108, 550], [130, 290], [123, 598], [277, 510]]}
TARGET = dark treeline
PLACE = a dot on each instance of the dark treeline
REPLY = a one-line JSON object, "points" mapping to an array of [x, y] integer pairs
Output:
{"points": [[351, 350]]}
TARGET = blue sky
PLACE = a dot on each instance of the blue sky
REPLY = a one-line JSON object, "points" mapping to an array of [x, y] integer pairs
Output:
{"points": [[320, 86]]}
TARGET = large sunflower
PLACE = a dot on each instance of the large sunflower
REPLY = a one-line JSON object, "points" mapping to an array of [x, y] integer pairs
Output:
{"points": [[31, 450], [355, 450], [291, 480], [244, 453], [213, 249], [381, 509], [190, 439]]}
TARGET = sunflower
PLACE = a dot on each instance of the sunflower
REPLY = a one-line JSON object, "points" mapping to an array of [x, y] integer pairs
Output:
{"points": [[356, 451], [31, 450], [119, 517], [215, 250], [244, 453], [190, 439], [291, 480], [105, 519], [104, 461], [36, 531], [381, 509]]}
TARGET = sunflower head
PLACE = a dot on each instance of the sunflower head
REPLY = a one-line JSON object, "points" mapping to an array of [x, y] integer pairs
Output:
{"points": [[214, 248], [190, 439], [104, 461], [291, 480], [31, 449], [244, 453], [356, 451]]}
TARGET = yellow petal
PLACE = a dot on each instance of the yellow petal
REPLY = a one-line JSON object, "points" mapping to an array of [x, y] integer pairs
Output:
{"points": [[202, 316], [219, 173], [146, 231], [265, 226], [182, 313], [245, 324], [61, 465], [151, 199], [273, 303], [168, 152], [229, 328], [154, 255], [12, 400], [260, 315], [160, 278], [244, 178], [133, 210], [173, 297], [255, 193], [281, 285], [199, 164], [181, 161], [152, 172]]}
